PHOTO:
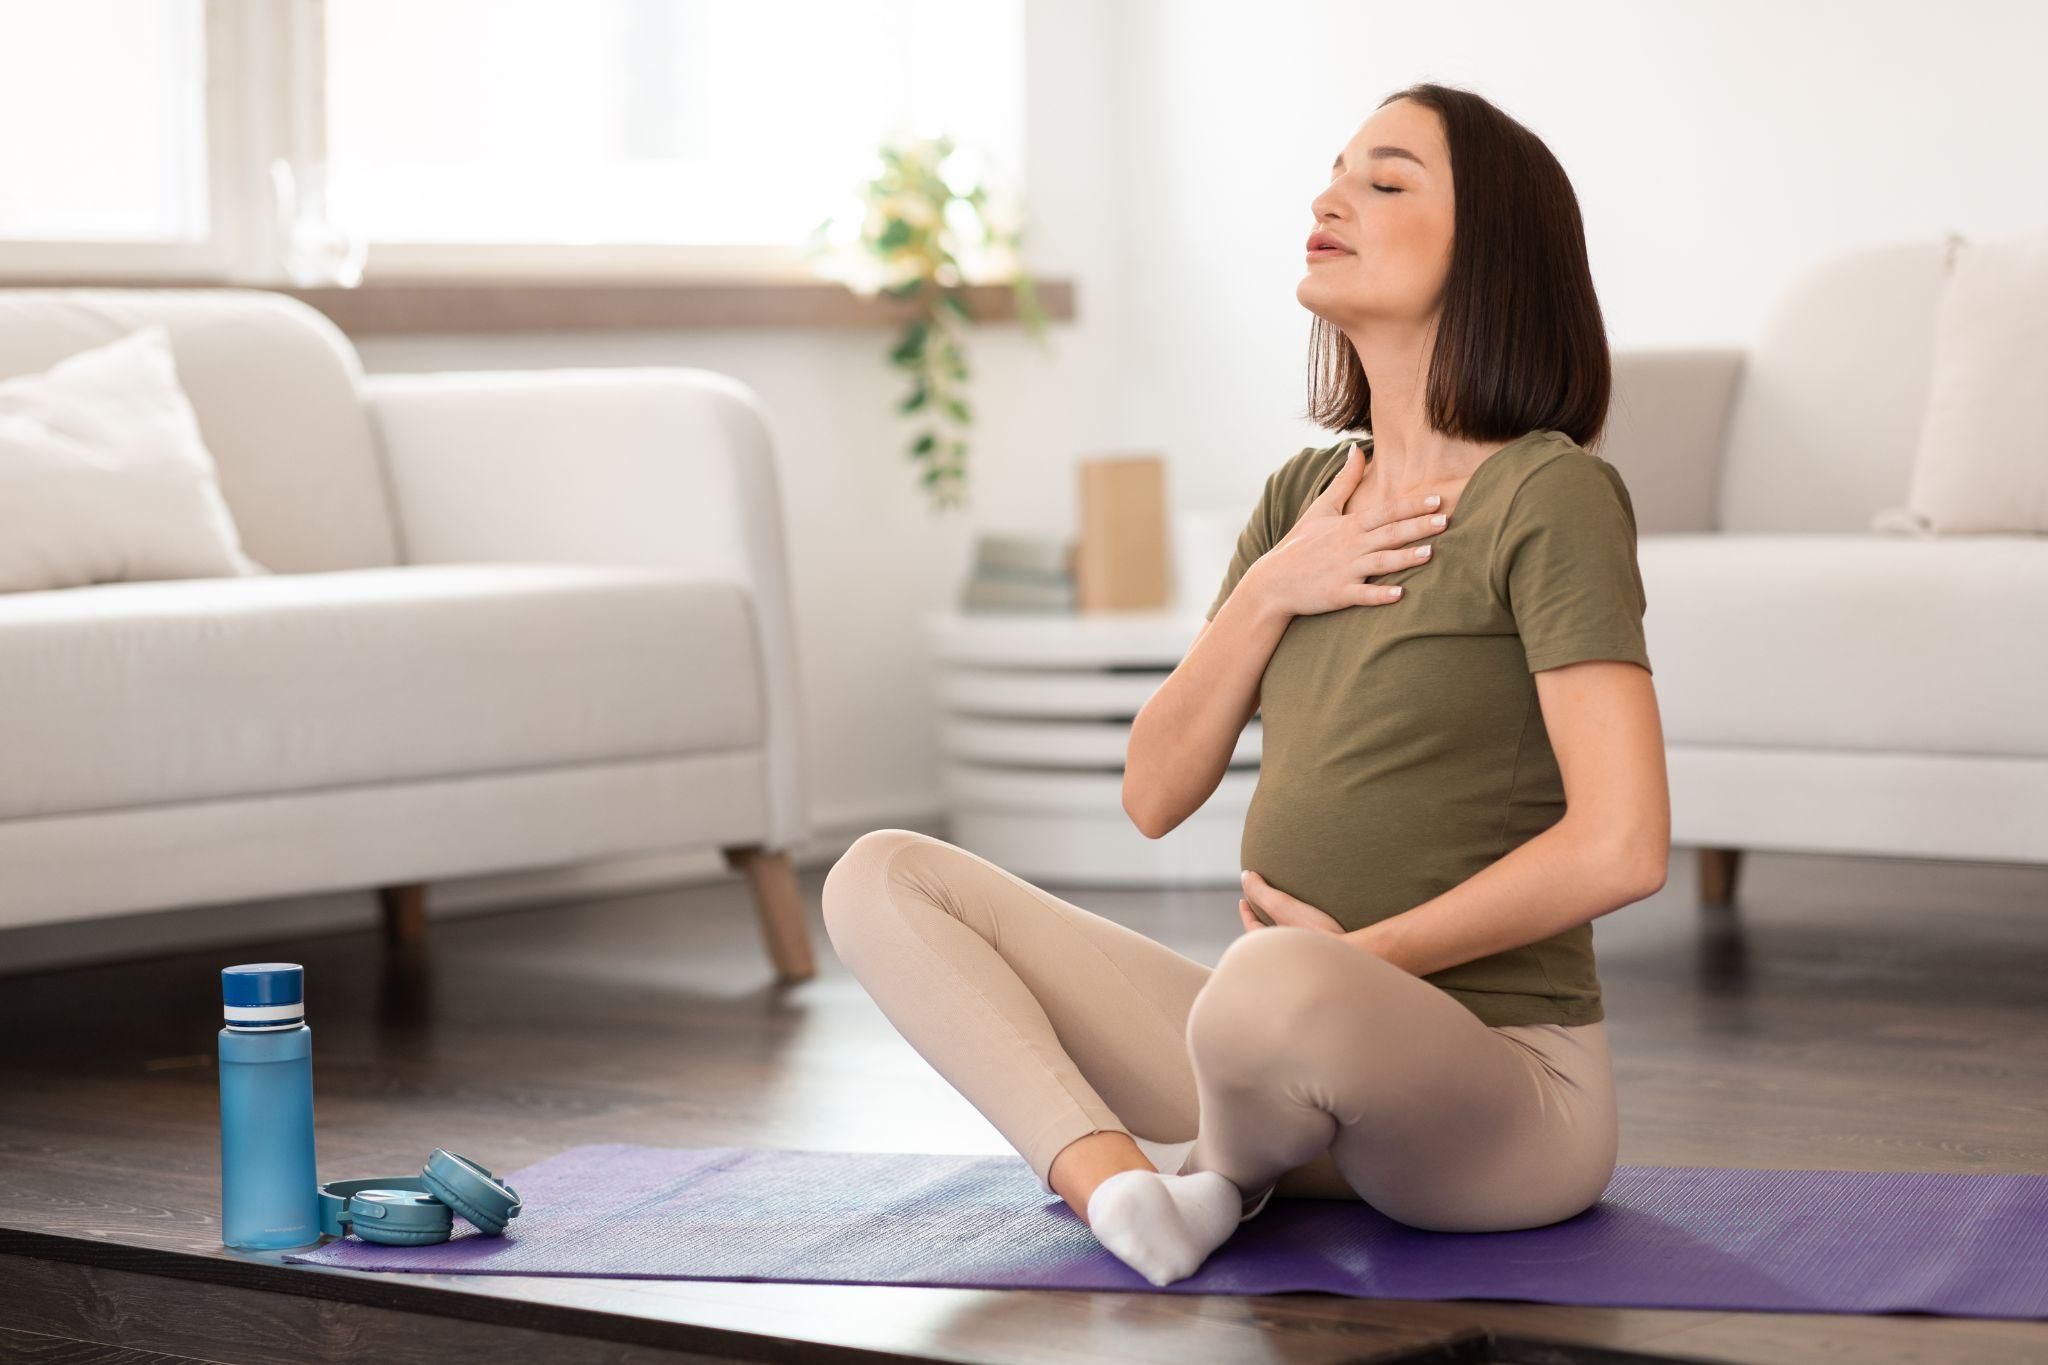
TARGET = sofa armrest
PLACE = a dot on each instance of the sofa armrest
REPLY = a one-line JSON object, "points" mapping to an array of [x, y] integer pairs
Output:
{"points": [[1667, 432], [659, 466]]}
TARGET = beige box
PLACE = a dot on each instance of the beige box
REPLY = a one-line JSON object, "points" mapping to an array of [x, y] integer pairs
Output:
{"points": [[1120, 550]]}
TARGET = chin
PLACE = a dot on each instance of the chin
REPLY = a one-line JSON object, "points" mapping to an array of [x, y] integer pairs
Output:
{"points": [[1318, 301]]}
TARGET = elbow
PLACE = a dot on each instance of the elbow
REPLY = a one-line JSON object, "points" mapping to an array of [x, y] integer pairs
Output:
{"points": [[1143, 820], [1652, 864], [1143, 816], [1132, 808], [1634, 862]]}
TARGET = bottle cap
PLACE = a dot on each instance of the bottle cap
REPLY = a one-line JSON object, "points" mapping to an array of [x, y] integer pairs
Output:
{"points": [[260, 996]]}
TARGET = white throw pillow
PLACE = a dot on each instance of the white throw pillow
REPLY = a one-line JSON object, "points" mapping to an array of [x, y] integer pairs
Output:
{"points": [[1982, 461], [104, 476]]}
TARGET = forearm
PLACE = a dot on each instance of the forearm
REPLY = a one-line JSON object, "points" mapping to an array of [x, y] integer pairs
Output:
{"points": [[1564, 877], [1183, 736]]}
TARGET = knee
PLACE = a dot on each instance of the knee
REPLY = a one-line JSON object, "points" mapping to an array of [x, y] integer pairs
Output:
{"points": [[1279, 966], [854, 885], [1268, 986]]}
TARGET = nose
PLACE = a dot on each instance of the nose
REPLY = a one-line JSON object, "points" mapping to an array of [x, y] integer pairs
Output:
{"points": [[1324, 210]]}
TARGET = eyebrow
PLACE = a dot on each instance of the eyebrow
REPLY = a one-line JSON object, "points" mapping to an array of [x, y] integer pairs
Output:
{"points": [[1379, 153]]}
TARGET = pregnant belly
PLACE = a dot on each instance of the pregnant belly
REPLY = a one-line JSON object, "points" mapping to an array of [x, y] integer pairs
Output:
{"points": [[1332, 853], [1361, 854]]}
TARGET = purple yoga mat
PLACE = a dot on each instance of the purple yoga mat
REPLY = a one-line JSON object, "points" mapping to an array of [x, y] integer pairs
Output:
{"points": [[1806, 1241]]}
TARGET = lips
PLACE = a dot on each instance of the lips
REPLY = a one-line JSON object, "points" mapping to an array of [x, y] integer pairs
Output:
{"points": [[1323, 243]]}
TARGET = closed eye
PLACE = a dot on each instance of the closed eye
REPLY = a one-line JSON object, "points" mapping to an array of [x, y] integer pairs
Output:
{"points": [[1386, 189]]}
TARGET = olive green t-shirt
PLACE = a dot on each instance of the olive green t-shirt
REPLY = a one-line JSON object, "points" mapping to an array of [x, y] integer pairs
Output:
{"points": [[1404, 747]]}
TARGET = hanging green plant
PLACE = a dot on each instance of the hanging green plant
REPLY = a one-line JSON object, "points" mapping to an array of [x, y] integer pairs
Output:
{"points": [[922, 228]]}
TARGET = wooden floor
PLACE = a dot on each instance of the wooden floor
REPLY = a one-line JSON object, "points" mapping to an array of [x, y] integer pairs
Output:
{"points": [[1847, 1013]]}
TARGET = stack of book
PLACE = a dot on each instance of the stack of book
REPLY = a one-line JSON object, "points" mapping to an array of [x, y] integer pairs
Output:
{"points": [[1020, 573]]}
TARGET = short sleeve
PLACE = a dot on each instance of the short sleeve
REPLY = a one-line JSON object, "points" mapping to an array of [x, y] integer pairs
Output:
{"points": [[1261, 532], [1565, 564]]}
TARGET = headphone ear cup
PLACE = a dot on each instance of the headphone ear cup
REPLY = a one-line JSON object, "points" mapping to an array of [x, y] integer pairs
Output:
{"points": [[400, 1237], [399, 1217], [472, 1190], [478, 1219]]}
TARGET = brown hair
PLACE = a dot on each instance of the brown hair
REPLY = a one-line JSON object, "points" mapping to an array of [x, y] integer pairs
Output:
{"points": [[1520, 344]]}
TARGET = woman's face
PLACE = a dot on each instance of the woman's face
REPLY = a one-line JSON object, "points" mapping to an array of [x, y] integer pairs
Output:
{"points": [[1389, 205]]}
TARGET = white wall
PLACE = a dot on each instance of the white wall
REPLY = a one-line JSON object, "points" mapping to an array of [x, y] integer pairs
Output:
{"points": [[1717, 149]]}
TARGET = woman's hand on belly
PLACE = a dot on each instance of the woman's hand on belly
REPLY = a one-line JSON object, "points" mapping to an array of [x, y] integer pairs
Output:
{"points": [[1277, 906]]}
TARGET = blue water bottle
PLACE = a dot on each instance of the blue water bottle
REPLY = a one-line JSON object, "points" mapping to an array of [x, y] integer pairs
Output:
{"points": [[269, 1195]]}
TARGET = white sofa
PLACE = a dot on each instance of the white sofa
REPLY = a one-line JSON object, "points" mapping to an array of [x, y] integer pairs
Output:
{"points": [[1826, 687], [516, 620]]}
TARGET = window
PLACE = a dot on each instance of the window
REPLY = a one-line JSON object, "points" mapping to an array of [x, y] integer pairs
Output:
{"points": [[106, 141], [458, 135]]}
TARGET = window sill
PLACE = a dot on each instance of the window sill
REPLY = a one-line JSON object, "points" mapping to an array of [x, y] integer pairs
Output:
{"points": [[515, 304]]}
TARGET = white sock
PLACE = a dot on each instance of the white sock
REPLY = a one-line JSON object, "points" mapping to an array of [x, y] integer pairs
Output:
{"points": [[1164, 1226]]}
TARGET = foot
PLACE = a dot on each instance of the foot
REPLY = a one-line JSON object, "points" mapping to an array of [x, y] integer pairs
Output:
{"points": [[1164, 1226]]}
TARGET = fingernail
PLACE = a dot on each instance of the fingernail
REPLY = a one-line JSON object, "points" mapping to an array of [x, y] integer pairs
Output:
{"points": [[1432, 500], [1393, 592]]}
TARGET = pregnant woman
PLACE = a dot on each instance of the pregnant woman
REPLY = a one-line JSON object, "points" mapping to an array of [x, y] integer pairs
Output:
{"points": [[1440, 623]]}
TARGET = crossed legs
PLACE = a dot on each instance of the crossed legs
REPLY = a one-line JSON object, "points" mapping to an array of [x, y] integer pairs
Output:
{"points": [[1300, 1064]]}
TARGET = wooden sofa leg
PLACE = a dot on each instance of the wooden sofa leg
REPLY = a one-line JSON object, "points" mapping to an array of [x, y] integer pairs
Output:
{"points": [[779, 902], [405, 913], [1718, 869]]}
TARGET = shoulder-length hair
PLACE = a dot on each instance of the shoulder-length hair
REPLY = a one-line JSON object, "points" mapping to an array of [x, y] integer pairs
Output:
{"points": [[1520, 344]]}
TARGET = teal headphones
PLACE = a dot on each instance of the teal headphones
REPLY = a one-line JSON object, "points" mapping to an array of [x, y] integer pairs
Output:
{"points": [[407, 1210]]}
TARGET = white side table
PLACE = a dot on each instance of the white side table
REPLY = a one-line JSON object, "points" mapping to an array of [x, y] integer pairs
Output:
{"points": [[1037, 710]]}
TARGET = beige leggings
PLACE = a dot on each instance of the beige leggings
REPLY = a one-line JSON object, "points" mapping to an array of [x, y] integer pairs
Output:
{"points": [[1300, 1064]]}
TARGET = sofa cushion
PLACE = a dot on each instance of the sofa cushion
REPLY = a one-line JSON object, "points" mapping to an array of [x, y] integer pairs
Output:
{"points": [[273, 383], [1850, 641], [104, 477], [1827, 410], [126, 694], [1982, 464]]}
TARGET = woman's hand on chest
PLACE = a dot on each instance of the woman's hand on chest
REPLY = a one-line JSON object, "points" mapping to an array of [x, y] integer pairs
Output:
{"points": [[1321, 565]]}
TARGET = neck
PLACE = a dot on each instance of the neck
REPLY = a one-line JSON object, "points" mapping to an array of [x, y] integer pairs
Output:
{"points": [[1408, 455], [1410, 462]]}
